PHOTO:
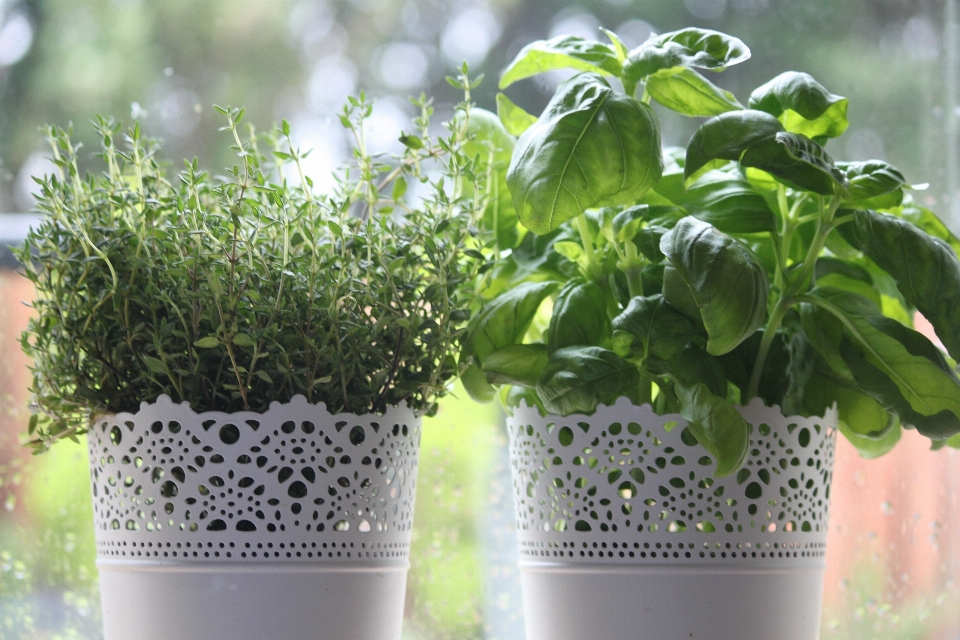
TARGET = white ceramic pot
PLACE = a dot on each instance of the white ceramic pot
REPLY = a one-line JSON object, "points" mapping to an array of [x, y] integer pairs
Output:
{"points": [[625, 535], [287, 525]]}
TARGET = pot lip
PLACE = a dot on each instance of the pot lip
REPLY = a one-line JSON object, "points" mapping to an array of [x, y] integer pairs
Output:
{"points": [[624, 403], [401, 412]]}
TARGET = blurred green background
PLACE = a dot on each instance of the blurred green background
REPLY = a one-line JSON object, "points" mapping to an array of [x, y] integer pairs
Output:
{"points": [[167, 62]]}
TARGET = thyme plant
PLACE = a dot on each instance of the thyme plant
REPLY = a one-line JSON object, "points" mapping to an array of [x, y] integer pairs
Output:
{"points": [[232, 292]]}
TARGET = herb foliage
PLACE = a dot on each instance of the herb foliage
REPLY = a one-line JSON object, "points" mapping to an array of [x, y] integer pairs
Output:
{"points": [[232, 292], [750, 264]]}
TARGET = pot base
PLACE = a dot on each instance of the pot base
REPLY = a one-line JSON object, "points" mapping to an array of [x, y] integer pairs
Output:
{"points": [[573, 602], [164, 600]]}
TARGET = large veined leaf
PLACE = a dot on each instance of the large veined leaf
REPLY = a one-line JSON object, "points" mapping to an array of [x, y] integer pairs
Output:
{"points": [[717, 426], [874, 382], [693, 365], [492, 146], [925, 268], [803, 105], [476, 385], [728, 202], [504, 320], [678, 294], [515, 120], [728, 283], [686, 91], [797, 161], [577, 379], [579, 317], [519, 364], [592, 147], [562, 52], [872, 344], [725, 138], [928, 221], [651, 327], [873, 183], [698, 48]]}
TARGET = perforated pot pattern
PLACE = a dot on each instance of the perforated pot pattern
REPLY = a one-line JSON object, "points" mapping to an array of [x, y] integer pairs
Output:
{"points": [[292, 484], [626, 485]]}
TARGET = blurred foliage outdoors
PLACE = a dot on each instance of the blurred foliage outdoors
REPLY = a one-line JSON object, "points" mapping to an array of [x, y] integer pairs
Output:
{"points": [[166, 63]]}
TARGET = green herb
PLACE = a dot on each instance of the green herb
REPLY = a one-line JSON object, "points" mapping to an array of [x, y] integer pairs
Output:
{"points": [[749, 264], [233, 292]]}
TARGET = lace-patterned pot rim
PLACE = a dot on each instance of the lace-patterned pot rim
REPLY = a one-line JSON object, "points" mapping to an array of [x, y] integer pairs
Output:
{"points": [[628, 486], [292, 484]]}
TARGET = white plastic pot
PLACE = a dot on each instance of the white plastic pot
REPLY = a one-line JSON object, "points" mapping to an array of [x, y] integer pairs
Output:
{"points": [[291, 524], [625, 535]]}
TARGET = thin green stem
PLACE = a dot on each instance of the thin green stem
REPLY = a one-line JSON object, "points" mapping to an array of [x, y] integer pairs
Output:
{"points": [[769, 333]]}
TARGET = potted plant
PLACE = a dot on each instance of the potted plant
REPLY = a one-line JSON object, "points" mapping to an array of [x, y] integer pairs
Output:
{"points": [[250, 361], [681, 332]]}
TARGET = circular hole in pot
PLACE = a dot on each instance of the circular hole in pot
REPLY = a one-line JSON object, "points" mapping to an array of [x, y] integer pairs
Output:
{"points": [[229, 434], [115, 435], [357, 435], [297, 490], [169, 489]]}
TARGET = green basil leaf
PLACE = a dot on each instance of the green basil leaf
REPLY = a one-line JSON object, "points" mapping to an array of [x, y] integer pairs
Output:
{"points": [[693, 365], [803, 105], [628, 222], [651, 327], [652, 278], [728, 202], [647, 240], [514, 119], [798, 162], [925, 268], [562, 52], [866, 424], [504, 320], [519, 364], [686, 91], [876, 344], [618, 46], [492, 146], [871, 179], [717, 426], [874, 382], [678, 294], [928, 221], [725, 138], [728, 283], [579, 317], [697, 48], [862, 414], [826, 266], [577, 379], [592, 147], [476, 384], [512, 397]]}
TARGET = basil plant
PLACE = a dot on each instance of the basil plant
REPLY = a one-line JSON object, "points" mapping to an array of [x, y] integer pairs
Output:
{"points": [[749, 265]]}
